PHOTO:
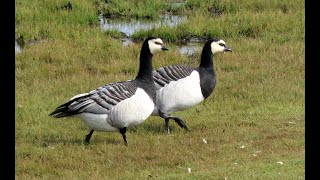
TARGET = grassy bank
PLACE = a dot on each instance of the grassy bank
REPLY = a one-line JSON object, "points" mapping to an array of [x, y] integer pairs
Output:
{"points": [[252, 122]]}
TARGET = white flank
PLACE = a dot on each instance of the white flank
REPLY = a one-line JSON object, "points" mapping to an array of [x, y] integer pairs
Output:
{"points": [[180, 95], [97, 122], [127, 113], [132, 111]]}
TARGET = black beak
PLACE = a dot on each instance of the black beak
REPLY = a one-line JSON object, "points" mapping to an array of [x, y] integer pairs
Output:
{"points": [[226, 49], [163, 48]]}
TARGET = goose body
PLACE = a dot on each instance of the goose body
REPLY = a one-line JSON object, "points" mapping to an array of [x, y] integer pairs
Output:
{"points": [[115, 105], [180, 87], [120, 105], [176, 97]]}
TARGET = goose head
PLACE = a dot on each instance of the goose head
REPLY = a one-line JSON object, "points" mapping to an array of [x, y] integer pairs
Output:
{"points": [[155, 45], [218, 46]]}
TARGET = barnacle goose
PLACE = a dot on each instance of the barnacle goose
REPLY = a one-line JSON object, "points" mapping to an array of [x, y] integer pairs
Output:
{"points": [[180, 87], [119, 105]]}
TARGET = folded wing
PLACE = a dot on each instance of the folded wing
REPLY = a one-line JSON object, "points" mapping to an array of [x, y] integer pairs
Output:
{"points": [[98, 101], [165, 75]]}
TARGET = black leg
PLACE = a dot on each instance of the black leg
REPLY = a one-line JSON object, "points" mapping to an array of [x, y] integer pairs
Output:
{"points": [[166, 120], [88, 137], [180, 122], [123, 133]]}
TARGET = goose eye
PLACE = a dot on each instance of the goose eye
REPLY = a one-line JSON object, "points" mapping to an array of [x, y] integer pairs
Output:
{"points": [[221, 44], [157, 43]]}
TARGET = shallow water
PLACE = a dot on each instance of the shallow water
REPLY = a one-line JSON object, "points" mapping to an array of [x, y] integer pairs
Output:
{"points": [[187, 49], [127, 41], [190, 48], [18, 48], [130, 26], [178, 4]]}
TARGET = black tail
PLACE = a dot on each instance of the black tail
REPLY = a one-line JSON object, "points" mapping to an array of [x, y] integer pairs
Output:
{"points": [[67, 109], [62, 111]]}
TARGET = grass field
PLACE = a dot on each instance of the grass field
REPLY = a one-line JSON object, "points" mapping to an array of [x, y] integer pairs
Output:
{"points": [[253, 122]]}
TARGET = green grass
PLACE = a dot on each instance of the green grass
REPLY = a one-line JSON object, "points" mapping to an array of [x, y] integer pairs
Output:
{"points": [[258, 102]]}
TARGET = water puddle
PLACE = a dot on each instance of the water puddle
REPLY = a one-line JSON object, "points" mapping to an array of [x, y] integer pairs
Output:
{"points": [[191, 46], [20, 43], [127, 41], [186, 48], [189, 49], [177, 4], [130, 26], [18, 48]]}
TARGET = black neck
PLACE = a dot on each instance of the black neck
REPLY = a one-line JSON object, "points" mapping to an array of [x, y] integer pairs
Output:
{"points": [[145, 67], [206, 59], [206, 72]]}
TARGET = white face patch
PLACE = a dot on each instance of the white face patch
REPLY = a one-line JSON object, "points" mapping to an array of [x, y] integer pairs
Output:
{"points": [[155, 45], [216, 47]]}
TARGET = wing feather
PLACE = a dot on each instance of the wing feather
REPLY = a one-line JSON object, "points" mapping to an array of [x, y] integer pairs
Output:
{"points": [[166, 74], [98, 101]]}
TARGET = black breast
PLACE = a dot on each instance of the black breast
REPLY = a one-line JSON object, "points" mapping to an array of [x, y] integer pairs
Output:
{"points": [[148, 87], [207, 81]]}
